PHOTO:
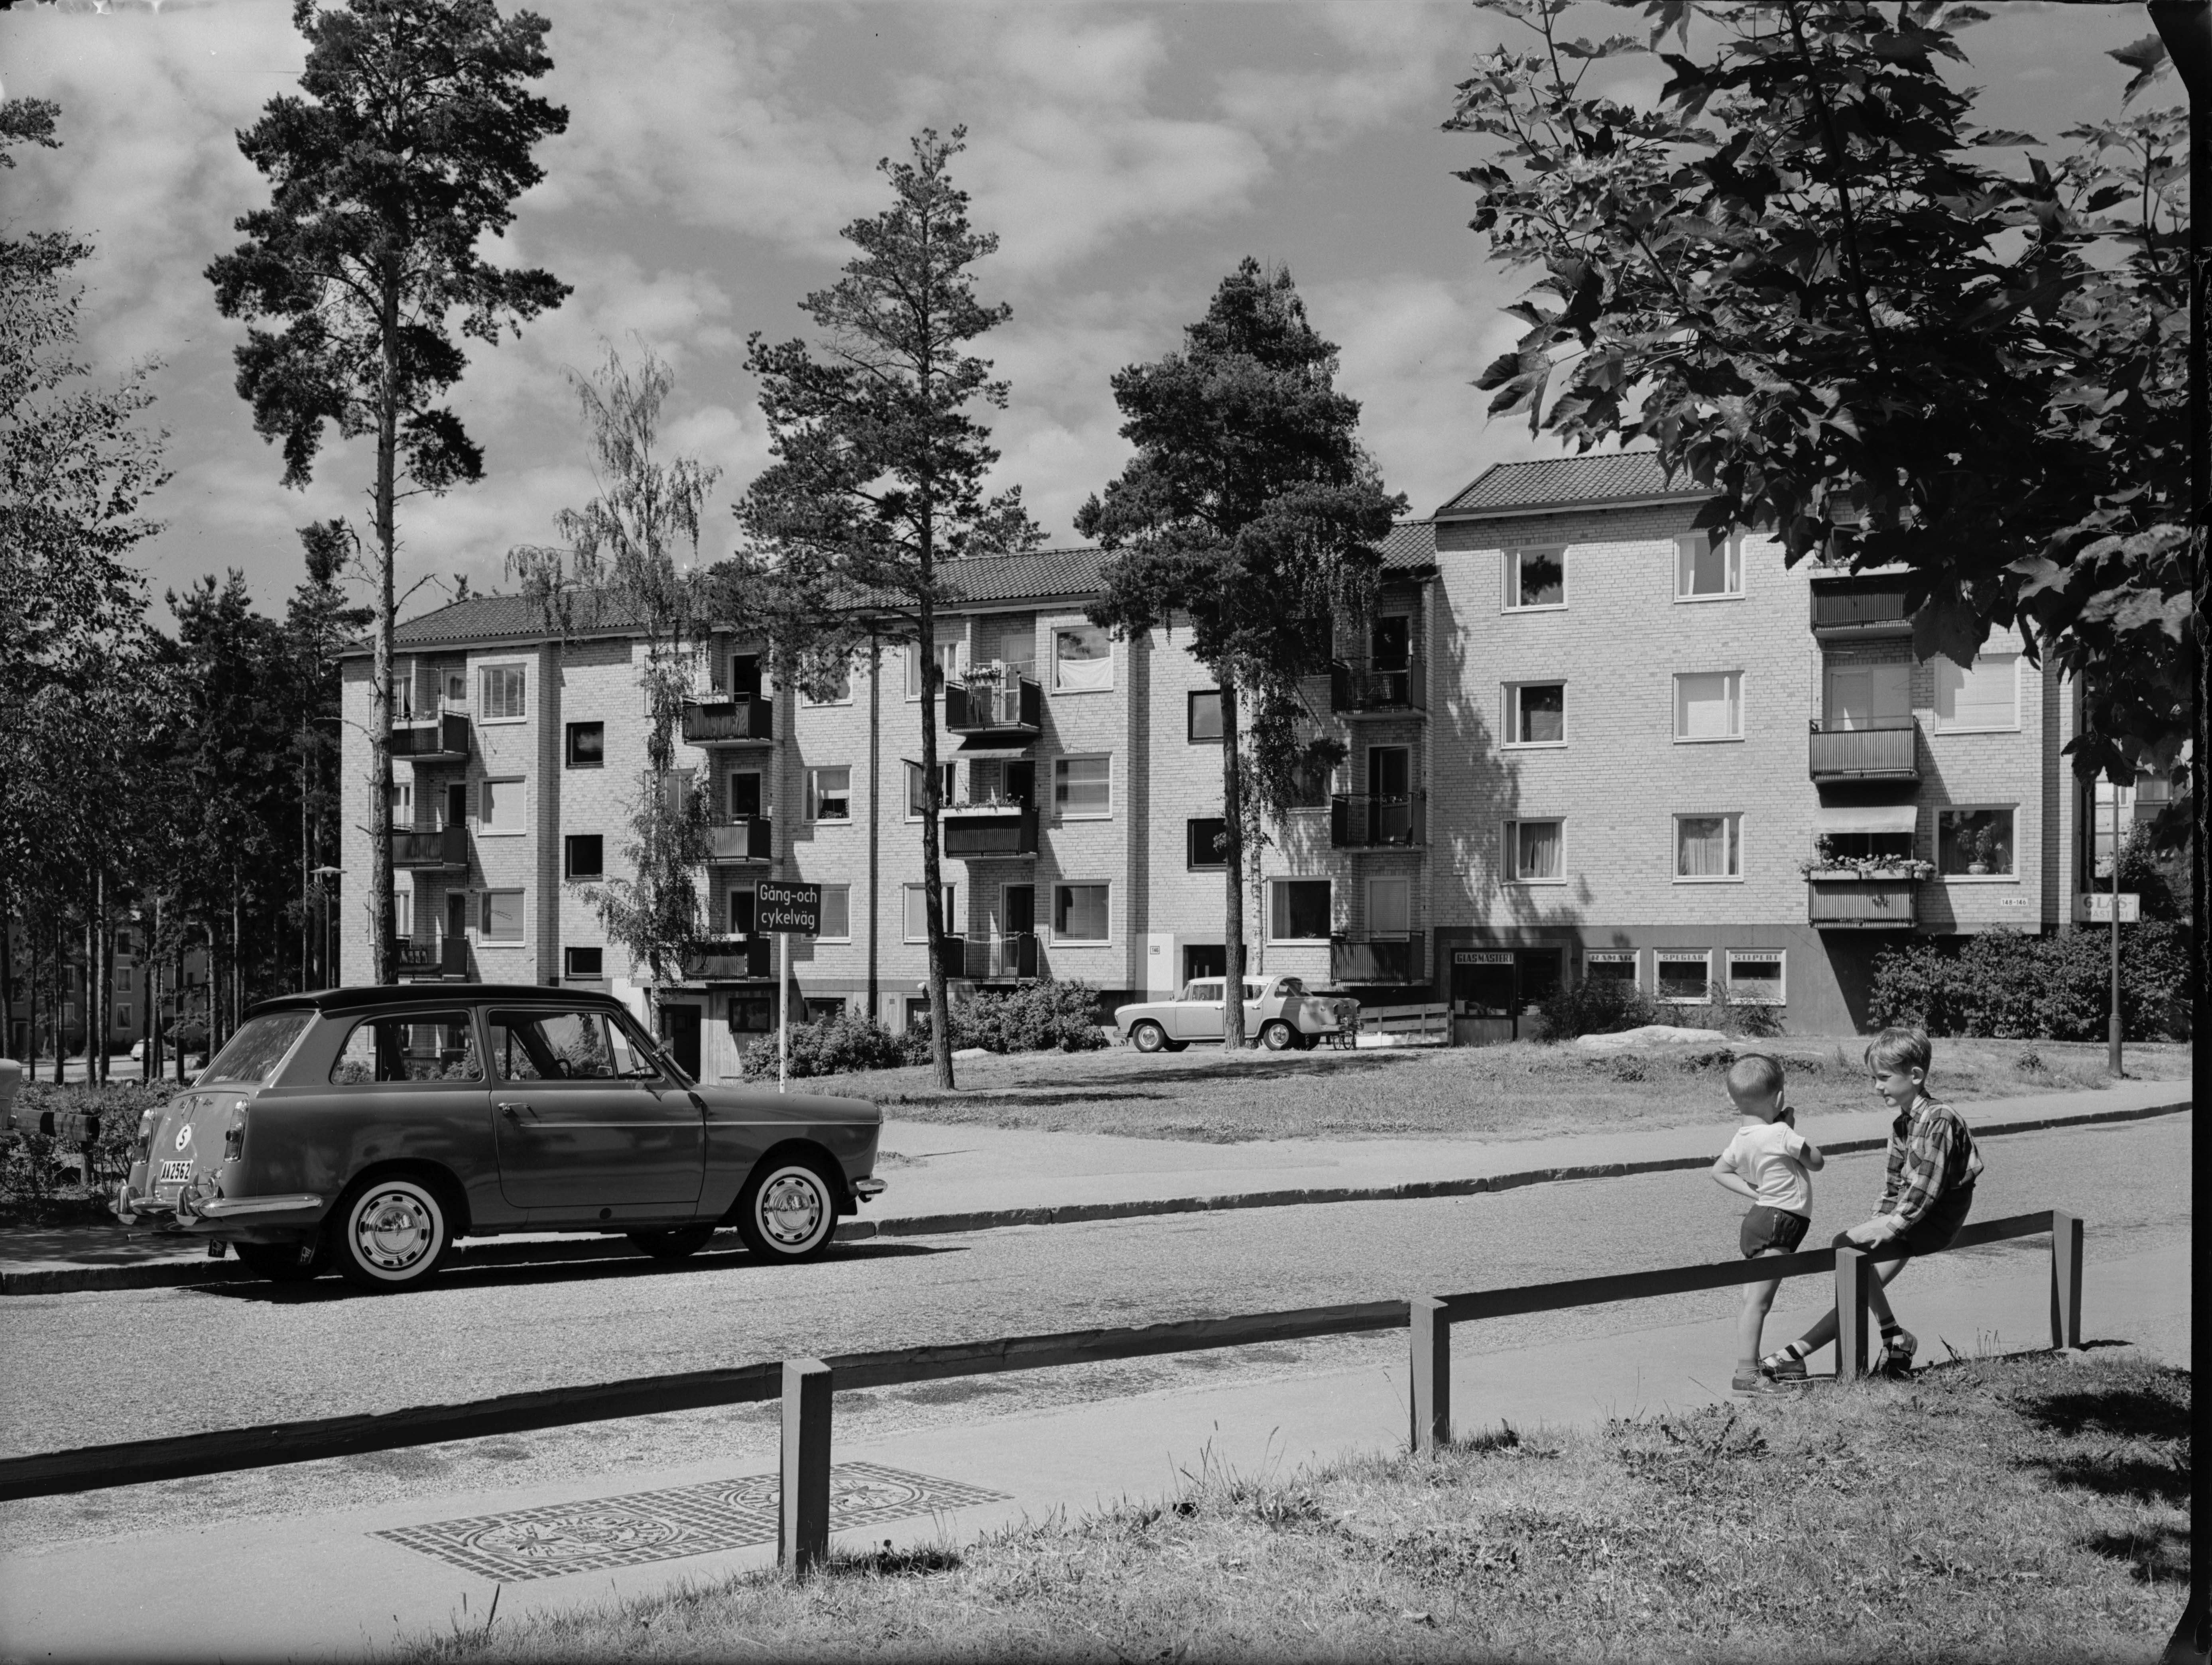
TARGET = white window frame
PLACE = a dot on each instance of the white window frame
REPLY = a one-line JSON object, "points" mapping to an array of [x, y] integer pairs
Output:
{"points": [[906, 904], [1734, 820], [814, 818], [483, 716], [482, 911], [569, 977], [1277, 883], [1732, 544], [1735, 701], [485, 829], [1512, 709], [1664, 957], [1941, 666], [952, 649], [846, 891], [1510, 602], [1942, 809], [568, 876], [1630, 957], [1509, 866], [1052, 912], [1374, 933], [1068, 626], [403, 912], [948, 794], [1057, 763], [1778, 957]]}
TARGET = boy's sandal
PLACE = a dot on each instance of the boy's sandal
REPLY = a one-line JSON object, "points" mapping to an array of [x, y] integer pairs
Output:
{"points": [[1783, 1369]]}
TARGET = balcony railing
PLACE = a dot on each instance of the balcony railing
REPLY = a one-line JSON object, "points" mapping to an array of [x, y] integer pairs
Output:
{"points": [[1855, 901], [1358, 822], [449, 957], [731, 959], [440, 738], [1001, 697], [741, 838], [1860, 606], [1376, 959], [1367, 684], [988, 958], [727, 719], [430, 847], [987, 829], [1886, 750]]}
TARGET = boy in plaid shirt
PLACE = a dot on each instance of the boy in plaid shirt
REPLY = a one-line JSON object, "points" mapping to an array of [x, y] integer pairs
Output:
{"points": [[1926, 1199]]}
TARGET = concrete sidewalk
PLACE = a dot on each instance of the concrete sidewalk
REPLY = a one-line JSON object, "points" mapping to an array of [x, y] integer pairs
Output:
{"points": [[341, 1585], [949, 1178]]}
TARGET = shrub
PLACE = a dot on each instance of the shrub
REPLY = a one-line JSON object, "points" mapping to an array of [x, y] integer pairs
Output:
{"points": [[1047, 1016], [829, 1046], [1596, 1005], [2013, 986], [1752, 1020]]}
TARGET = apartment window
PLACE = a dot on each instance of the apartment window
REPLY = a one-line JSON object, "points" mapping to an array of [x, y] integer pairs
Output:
{"points": [[1389, 908], [583, 965], [1298, 910], [1202, 837], [829, 794], [1684, 974], [456, 685], [835, 688], [1981, 696], [587, 744], [913, 784], [948, 664], [504, 687], [122, 1017], [1707, 565], [1755, 975], [403, 803], [584, 856], [836, 914], [122, 974], [743, 912], [1205, 716], [1082, 787], [1079, 913], [1708, 847], [1974, 843], [917, 912], [1861, 696], [1082, 659], [403, 914], [1610, 965], [499, 807], [1709, 705], [1536, 851], [1535, 578], [1536, 714], [502, 917]]}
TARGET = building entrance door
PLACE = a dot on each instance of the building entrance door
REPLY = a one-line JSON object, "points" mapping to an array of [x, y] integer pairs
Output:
{"points": [[1483, 1002], [679, 1025], [1537, 972]]}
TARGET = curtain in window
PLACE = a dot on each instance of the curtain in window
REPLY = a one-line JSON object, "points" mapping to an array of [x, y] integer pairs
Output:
{"points": [[1983, 694], [1536, 847], [1705, 848], [1079, 913], [1706, 706], [1083, 660]]}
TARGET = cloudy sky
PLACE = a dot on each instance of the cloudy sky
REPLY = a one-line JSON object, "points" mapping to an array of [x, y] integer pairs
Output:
{"points": [[1127, 154]]}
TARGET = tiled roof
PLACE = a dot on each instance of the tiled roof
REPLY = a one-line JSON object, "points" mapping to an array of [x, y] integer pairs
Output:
{"points": [[1561, 481], [1411, 547], [1037, 575]]}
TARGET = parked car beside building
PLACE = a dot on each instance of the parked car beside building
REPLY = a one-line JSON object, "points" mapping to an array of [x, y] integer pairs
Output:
{"points": [[1278, 1012]]}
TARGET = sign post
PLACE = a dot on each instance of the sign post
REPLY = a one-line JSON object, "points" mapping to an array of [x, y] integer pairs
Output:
{"points": [[789, 910]]}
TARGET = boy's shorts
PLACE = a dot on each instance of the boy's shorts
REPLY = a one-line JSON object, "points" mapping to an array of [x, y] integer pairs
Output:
{"points": [[1935, 1229], [1765, 1227]]}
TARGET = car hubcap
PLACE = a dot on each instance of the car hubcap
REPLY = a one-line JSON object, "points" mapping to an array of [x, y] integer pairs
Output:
{"points": [[792, 1207], [394, 1230]]}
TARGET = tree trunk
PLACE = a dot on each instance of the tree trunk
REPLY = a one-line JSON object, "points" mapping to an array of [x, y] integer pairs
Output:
{"points": [[1232, 821], [7, 976], [103, 968], [31, 1001], [383, 949], [61, 1000], [933, 865]]}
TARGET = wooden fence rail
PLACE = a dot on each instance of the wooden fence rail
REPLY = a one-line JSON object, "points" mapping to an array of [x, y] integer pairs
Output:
{"points": [[806, 1386]]}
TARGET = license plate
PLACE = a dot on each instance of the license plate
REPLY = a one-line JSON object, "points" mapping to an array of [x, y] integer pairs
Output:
{"points": [[175, 1173]]}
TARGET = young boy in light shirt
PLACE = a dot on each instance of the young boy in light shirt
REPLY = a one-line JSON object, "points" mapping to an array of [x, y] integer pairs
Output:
{"points": [[1769, 1163]]}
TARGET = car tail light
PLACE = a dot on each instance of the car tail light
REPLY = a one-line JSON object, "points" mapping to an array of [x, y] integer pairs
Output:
{"points": [[234, 1136]]}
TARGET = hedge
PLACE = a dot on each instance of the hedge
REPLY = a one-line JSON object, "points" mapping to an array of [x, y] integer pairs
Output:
{"points": [[1047, 1016], [2015, 987]]}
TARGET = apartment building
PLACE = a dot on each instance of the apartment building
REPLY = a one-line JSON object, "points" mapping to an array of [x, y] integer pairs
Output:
{"points": [[1580, 739]]}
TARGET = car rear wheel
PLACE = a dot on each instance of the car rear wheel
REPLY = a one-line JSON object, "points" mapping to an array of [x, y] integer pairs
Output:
{"points": [[281, 1263], [1279, 1036], [390, 1233], [788, 1210], [1149, 1037], [677, 1245]]}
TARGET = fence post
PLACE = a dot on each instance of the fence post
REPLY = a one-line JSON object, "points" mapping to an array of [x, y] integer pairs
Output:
{"points": [[805, 1492], [1852, 1274], [1431, 1395], [2065, 1279]]}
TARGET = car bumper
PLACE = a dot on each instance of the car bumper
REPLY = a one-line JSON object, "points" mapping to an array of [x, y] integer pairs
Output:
{"points": [[867, 1190], [191, 1214]]}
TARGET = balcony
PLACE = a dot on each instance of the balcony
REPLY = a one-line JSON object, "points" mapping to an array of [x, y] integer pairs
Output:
{"points": [[426, 962], [1379, 686], [1377, 960], [999, 701], [974, 831], [726, 721], [1358, 822], [1857, 901], [731, 959], [442, 739], [740, 838], [1885, 750], [1860, 607], [430, 849], [1011, 957]]}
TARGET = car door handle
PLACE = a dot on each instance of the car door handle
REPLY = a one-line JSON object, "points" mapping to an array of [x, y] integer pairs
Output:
{"points": [[511, 1110]]}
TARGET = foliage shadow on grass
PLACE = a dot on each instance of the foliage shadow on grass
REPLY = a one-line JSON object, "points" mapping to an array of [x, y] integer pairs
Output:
{"points": [[2158, 1556]]}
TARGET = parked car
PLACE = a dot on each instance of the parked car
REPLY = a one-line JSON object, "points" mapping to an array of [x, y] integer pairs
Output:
{"points": [[368, 1129], [1277, 1010]]}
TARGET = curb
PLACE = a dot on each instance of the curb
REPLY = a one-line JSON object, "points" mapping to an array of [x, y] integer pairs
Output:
{"points": [[69, 1280]]}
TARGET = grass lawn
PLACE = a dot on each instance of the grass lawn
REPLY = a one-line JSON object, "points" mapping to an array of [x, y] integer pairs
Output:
{"points": [[2024, 1509], [1521, 1090]]}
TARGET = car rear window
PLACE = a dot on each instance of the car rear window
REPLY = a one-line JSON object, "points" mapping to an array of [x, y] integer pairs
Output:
{"points": [[251, 1057], [427, 1046]]}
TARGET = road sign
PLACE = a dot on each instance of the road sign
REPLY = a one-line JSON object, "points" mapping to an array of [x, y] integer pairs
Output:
{"points": [[795, 909], [2095, 907]]}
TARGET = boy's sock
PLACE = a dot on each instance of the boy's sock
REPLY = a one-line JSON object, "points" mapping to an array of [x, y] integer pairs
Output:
{"points": [[1795, 1350], [1892, 1328]]}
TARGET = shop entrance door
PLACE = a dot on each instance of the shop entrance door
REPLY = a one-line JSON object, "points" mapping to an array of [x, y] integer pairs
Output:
{"points": [[1482, 997], [1537, 972]]}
